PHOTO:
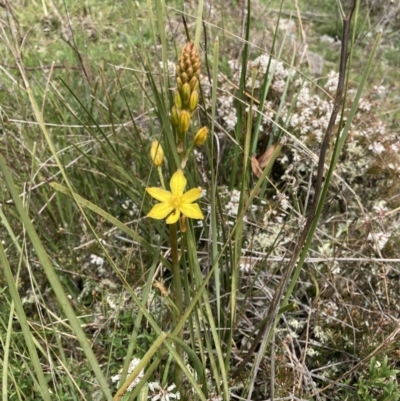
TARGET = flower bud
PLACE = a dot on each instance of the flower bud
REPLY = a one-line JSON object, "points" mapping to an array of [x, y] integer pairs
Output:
{"points": [[193, 101], [184, 77], [182, 67], [175, 112], [196, 69], [200, 136], [156, 153], [184, 122], [194, 84], [189, 62], [178, 100], [185, 93]]}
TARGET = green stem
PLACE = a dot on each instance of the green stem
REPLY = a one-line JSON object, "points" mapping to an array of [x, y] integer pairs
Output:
{"points": [[176, 277], [159, 169]]}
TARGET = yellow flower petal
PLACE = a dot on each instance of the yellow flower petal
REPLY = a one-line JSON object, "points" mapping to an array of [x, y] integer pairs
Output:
{"points": [[178, 183], [173, 217], [160, 211], [160, 194], [192, 211], [191, 195]]}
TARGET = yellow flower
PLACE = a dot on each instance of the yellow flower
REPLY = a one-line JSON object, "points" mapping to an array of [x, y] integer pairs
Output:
{"points": [[175, 202]]}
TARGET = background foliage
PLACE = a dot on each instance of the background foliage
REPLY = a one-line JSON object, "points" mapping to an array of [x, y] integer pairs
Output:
{"points": [[86, 87]]}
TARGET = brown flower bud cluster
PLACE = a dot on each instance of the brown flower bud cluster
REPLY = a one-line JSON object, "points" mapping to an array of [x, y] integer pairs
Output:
{"points": [[187, 95]]}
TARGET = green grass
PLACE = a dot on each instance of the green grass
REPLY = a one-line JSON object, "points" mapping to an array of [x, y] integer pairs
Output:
{"points": [[82, 267]]}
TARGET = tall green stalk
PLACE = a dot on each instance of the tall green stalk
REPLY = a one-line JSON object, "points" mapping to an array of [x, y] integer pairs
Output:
{"points": [[176, 277]]}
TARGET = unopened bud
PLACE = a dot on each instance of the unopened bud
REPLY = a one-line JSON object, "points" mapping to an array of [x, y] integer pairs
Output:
{"points": [[196, 69], [200, 136], [194, 84], [193, 101], [185, 93], [175, 112], [184, 77], [178, 100], [184, 122], [156, 153]]}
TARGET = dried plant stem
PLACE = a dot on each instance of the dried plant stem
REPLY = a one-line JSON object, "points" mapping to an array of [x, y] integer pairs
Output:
{"points": [[176, 277]]}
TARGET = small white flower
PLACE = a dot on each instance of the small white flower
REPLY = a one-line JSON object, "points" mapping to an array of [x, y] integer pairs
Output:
{"points": [[336, 268], [283, 200], [379, 240], [377, 148], [296, 324], [132, 365], [332, 82], [96, 260], [312, 352], [364, 105], [320, 334], [165, 393], [380, 209], [232, 206], [380, 90]]}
